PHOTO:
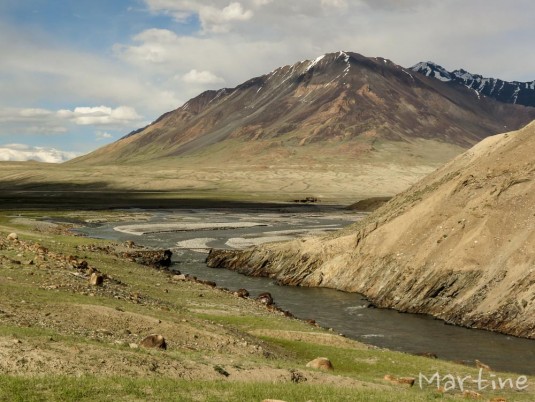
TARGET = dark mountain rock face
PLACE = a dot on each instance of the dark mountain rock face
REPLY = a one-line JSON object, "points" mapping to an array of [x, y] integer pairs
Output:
{"points": [[521, 93], [345, 100]]}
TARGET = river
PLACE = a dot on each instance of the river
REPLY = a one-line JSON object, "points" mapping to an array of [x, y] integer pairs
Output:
{"points": [[346, 313]]}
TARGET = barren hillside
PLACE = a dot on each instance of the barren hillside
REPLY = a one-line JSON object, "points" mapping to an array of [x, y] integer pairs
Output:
{"points": [[457, 245], [344, 105]]}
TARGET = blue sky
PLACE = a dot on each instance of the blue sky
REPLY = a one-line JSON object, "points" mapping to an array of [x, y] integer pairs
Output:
{"points": [[75, 75]]}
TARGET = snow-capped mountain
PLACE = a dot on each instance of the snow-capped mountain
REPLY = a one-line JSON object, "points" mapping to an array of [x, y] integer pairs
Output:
{"points": [[344, 104], [522, 93]]}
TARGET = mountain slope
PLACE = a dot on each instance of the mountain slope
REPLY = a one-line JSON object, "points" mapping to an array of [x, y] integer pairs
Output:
{"points": [[521, 93], [351, 103], [457, 245]]}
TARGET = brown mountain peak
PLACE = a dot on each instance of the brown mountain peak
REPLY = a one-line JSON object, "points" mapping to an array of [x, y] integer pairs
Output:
{"points": [[351, 102]]}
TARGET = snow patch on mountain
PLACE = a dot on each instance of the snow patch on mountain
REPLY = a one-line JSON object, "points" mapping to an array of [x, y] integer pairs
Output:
{"points": [[508, 92], [315, 61]]}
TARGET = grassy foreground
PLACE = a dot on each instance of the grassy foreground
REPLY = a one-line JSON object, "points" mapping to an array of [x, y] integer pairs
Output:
{"points": [[62, 339]]}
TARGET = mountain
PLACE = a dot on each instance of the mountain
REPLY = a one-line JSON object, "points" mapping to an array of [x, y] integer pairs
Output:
{"points": [[346, 100], [339, 127], [458, 245], [521, 93]]}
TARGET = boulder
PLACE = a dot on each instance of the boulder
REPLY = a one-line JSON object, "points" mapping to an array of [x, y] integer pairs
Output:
{"points": [[241, 293], [152, 258], [96, 279], [297, 377], [428, 355], [482, 365], [265, 298], [154, 341], [180, 277], [129, 244], [400, 380], [406, 380], [81, 265], [12, 236], [208, 283], [467, 394], [321, 363]]}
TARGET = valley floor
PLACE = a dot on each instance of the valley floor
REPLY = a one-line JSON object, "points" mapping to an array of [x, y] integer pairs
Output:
{"points": [[177, 183]]}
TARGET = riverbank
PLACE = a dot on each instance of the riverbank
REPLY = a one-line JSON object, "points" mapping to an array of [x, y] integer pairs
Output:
{"points": [[63, 338], [458, 245], [346, 312]]}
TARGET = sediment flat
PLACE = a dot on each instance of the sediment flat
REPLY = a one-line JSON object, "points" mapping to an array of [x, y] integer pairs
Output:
{"points": [[142, 229]]}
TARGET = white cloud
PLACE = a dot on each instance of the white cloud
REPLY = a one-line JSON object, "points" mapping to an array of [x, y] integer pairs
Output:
{"points": [[215, 16], [334, 3], [47, 129], [153, 46], [201, 77], [22, 114], [43, 121], [102, 135], [216, 20], [17, 147], [22, 152], [34, 112], [405, 31], [101, 115], [36, 67]]}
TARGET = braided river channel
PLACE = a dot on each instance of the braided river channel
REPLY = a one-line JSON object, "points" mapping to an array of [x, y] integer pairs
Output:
{"points": [[190, 233]]}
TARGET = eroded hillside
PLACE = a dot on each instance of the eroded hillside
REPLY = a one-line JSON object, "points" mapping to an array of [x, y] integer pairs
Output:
{"points": [[457, 245]]}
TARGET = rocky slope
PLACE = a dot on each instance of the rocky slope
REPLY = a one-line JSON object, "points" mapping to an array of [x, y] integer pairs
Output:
{"points": [[344, 105], [521, 93], [457, 245]]}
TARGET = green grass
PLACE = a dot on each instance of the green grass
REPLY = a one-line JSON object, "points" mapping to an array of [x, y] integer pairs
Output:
{"points": [[364, 364], [360, 364], [90, 388], [252, 322]]}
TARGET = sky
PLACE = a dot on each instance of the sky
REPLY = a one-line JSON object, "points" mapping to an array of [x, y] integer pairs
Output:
{"points": [[78, 74]]}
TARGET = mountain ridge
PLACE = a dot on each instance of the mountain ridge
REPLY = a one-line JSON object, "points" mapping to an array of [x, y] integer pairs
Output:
{"points": [[515, 92], [343, 98]]}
